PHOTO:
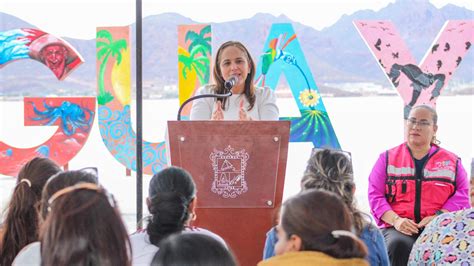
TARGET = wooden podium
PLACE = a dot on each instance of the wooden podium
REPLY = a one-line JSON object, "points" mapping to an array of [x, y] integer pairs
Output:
{"points": [[239, 170]]}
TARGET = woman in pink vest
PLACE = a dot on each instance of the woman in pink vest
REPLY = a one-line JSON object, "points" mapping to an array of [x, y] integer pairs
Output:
{"points": [[412, 183]]}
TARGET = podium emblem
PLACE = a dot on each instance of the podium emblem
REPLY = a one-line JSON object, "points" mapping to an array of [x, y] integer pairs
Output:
{"points": [[229, 172]]}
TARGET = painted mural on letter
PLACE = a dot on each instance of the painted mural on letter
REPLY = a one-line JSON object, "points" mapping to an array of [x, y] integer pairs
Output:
{"points": [[283, 54], [113, 97], [194, 57], [73, 117], [417, 83], [54, 52]]}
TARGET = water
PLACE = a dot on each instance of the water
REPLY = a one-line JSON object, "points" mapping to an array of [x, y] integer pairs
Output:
{"points": [[365, 126]]}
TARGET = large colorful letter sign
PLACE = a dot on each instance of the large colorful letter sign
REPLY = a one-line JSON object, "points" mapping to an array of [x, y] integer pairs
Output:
{"points": [[418, 84], [283, 54], [113, 66], [73, 116], [194, 57], [114, 91]]}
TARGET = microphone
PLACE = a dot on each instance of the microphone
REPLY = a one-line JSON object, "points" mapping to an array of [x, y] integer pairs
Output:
{"points": [[228, 85], [231, 82]]}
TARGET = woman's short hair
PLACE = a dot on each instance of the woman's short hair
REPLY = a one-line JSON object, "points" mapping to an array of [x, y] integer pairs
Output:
{"points": [[315, 215], [192, 249]]}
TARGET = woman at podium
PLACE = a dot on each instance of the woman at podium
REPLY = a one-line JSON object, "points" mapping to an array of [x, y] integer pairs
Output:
{"points": [[234, 70]]}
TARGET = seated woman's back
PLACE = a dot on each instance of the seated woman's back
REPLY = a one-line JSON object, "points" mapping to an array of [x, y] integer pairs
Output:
{"points": [[31, 254], [21, 224], [84, 228], [171, 202], [314, 229], [331, 170]]}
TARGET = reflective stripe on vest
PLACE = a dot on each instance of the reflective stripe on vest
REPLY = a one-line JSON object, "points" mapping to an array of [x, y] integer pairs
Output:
{"points": [[400, 171], [440, 174]]}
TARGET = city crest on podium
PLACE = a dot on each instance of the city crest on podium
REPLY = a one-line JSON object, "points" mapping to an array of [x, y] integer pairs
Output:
{"points": [[229, 172]]}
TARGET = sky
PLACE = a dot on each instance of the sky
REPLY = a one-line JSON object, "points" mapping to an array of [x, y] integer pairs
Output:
{"points": [[79, 18]]}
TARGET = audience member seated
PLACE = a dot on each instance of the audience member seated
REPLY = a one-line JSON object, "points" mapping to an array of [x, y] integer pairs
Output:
{"points": [[21, 223], [315, 229], [448, 239], [192, 250], [331, 170], [31, 254], [84, 227], [412, 183], [171, 202]]}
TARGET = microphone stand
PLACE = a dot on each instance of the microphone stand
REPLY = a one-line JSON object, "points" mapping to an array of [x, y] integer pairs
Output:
{"points": [[202, 96]]}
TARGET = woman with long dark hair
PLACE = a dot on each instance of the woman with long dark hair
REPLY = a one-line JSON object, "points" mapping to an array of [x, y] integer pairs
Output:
{"points": [[31, 254], [21, 223], [84, 227]]}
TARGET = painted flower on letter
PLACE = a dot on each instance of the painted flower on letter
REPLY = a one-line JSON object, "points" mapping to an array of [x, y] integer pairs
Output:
{"points": [[309, 98]]}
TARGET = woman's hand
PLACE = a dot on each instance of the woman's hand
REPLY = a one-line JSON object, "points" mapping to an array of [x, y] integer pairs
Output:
{"points": [[243, 115], [426, 221], [405, 226], [218, 114]]}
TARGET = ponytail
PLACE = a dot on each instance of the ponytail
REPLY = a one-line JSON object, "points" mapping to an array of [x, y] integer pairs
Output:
{"points": [[20, 223], [340, 244], [169, 214], [170, 193]]}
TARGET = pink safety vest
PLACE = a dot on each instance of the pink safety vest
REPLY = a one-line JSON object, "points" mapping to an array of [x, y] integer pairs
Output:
{"points": [[413, 197]]}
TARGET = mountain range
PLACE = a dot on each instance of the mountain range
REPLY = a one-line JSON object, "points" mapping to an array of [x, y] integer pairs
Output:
{"points": [[336, 54]]}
